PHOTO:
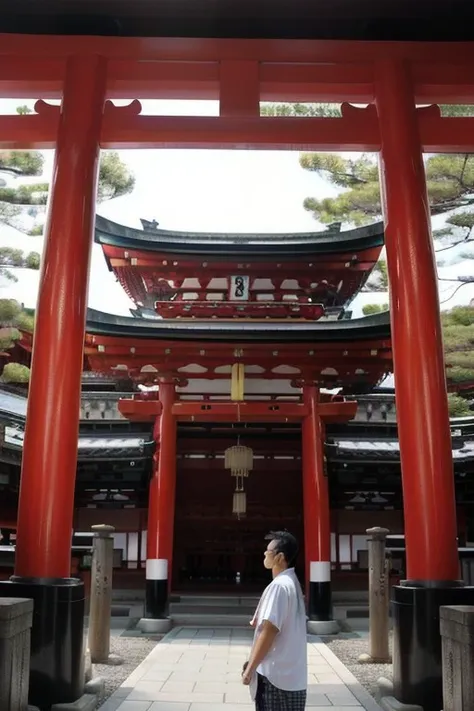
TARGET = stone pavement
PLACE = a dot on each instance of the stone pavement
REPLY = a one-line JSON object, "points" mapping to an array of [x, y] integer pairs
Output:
{"points": [[198, 669]]}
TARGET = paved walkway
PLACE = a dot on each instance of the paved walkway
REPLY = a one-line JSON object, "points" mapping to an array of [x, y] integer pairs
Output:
{"points": [[199, 670]]}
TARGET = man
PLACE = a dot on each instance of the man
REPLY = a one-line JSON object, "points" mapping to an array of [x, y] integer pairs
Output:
{"points": [[277, 668]]}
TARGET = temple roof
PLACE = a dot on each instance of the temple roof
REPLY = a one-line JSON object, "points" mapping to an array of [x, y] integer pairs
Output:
{"points": [[372, 327], [354, 355], [297, 244]]}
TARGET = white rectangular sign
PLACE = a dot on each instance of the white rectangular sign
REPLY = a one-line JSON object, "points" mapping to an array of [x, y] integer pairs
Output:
{"points": [[239, 288]]}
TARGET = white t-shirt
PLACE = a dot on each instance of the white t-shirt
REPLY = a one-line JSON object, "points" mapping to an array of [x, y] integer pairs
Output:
{"points": [[282, 604]]}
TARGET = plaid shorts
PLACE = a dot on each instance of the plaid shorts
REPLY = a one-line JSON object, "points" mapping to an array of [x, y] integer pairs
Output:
{"points": [[269, 698]]}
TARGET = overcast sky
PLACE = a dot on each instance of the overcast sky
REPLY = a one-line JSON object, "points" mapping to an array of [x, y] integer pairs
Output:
{"points": [[197, 190]]}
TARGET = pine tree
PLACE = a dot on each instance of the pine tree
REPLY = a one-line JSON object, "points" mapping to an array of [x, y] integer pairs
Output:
{"points": [[115, 179]]}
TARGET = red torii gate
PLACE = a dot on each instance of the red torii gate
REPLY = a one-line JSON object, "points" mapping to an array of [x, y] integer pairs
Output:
{"points": [[392, 78]]}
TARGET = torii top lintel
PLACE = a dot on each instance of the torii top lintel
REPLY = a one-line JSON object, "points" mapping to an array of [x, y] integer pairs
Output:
{"points": [[239, 74]]}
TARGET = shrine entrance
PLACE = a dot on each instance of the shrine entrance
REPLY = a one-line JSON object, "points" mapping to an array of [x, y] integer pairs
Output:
{"points": [[394, 82], [215, 549]]}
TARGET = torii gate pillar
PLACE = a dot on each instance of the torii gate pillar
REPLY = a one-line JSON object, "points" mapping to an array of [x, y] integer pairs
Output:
{"points": [[161, 511], [46, 502], [422, 408], [317, 529]]}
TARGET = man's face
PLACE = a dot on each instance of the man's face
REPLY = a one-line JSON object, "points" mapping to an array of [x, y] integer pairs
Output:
{"points": [[271, 557]]}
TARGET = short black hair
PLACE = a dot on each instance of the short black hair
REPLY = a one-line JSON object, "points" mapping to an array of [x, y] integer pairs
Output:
{"points": [[286, 543]]}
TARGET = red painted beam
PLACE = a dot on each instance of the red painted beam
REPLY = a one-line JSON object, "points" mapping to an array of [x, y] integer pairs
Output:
{"points": [[130, 346], [139, 410], [147, 263], [354, 133], [334, 81], [357, 132], [211, 50], [239, 412], [337, 411]]}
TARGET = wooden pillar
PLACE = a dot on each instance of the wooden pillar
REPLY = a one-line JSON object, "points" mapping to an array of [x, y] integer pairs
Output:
{"points": [[45, 509], [420, 380], [317, 534], [420, 387], [46, 501], [161, 507]]}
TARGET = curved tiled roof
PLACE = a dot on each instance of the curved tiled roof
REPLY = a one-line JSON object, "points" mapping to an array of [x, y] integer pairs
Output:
{"points": [[367, 328], [248, 245]]}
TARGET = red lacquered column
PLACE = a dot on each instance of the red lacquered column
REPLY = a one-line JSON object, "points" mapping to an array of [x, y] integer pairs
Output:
{"points": [[422, 409], [46, 502], [317, 531], [50, 447], [161, 508], [420, 381]]}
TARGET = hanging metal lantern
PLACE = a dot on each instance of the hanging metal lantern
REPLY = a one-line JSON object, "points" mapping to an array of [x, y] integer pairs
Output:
{"points": [[239, 504], [239, 460]]}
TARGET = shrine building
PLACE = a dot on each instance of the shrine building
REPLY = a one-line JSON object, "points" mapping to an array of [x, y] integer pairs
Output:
{"points": [[239, 395]]}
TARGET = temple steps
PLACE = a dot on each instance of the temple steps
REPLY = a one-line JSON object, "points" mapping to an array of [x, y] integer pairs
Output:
{"points": [[225, 610], [218, 610], [210, 620]]}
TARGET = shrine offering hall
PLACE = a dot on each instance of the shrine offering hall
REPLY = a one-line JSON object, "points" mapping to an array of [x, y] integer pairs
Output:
{"points": [[240, 394]]}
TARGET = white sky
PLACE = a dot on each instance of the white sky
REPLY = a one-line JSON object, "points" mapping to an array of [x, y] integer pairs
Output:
{"points": [[197, 190]]}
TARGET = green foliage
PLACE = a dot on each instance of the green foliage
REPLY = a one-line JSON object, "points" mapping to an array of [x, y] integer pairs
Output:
{"points": [[26, 321], [23, 110], [14, 317], [457, 109], [380, 271], [9, 311], [115, 179], [458, 406], [11, 257], [8, 336], [459, 316], [36, 194], [33, 260], [458, 336], [318, 110], [9, 213], [22, 162], [36, 231], [450, 178], [15, 373], [370, 309]]}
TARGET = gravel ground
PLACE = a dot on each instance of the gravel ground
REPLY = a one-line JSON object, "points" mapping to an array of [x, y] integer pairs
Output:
{"points": [[133, 650], [348, 652]]}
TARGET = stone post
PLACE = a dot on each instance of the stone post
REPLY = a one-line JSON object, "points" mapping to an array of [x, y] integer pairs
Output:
{"points": [[457, 639], [101, 596], [16, 618], [378, 599]]}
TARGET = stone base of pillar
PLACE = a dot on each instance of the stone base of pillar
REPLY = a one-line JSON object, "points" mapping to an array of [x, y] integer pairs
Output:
{"points": [[367, 659], [417, 660], [95, 686], [87, 702], [57, 637], [383, 688], [323, 627], [150, 625], [321, 619], [112, 660], [389, 703]]}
